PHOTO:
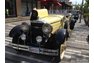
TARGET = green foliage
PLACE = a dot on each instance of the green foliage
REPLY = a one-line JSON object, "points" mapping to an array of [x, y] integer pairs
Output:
{"points": [[86, 7], [77, 7], [86, 12]]}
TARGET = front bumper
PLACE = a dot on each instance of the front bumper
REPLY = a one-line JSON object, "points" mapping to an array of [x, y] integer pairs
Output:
{"points": [[36, 50]]}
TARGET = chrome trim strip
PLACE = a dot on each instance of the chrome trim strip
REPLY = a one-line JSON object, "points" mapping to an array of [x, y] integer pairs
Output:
{"points": [[35, 49], [18, 45]]}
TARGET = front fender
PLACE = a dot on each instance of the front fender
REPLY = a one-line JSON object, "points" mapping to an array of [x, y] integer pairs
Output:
{"points": [[19, 29], [60, 36], [15, 31]]}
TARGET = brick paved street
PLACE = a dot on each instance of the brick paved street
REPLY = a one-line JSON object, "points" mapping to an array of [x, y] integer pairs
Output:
{"points": [[77, 47]]}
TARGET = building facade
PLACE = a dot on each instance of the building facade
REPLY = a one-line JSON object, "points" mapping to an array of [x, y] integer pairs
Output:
{"points": [[15, 8], [66, 4]]}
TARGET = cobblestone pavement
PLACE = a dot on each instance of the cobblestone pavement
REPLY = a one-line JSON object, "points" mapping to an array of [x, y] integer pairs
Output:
{"points": [[77, 50]]}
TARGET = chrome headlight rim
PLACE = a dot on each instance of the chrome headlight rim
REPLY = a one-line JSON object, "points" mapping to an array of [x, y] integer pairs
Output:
{"points": [[39, 39], [47, 28]]}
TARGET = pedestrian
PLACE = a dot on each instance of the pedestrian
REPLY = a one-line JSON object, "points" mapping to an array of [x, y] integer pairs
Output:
{"points": [[72, 24], [80, 16]]}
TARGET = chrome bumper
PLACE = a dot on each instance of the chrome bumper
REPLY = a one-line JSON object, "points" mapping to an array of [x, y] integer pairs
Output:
{"points": [[35, 49]]}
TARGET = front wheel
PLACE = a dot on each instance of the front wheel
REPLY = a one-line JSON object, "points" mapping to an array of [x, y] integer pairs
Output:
{"points": [[61, 52]]}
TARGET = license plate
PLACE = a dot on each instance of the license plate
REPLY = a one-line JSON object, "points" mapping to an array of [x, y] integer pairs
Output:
{"points": [[34, 50]]}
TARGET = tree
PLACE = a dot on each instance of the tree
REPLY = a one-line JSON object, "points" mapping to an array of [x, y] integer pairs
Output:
{"points": [[86, 12], [77, 6], [86, 6]]}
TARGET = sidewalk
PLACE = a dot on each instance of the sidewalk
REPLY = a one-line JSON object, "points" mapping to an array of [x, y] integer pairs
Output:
{"points": [[77, 50], [15, 19]]}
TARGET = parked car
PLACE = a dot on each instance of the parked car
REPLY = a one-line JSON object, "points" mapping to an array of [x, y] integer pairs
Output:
{"points": [[45, 35]]}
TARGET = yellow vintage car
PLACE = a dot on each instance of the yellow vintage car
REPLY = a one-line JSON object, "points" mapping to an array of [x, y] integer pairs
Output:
{"points": [[45, 35]]}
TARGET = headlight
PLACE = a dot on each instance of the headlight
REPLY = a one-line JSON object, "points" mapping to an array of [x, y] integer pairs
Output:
{"points": [[38, 39], [46, 28], [23, 37]]}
